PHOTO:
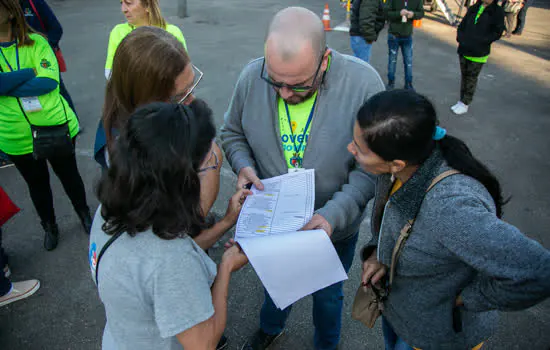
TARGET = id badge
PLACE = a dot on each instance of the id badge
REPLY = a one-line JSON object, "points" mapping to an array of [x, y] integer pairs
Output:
{"points": [[31, 104]]}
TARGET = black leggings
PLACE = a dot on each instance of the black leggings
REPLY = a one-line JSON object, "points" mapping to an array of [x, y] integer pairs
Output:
{"points": [[36, 174]]}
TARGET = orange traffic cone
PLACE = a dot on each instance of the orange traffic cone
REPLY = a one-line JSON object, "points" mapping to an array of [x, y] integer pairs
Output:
{"points": [[326, 18]]}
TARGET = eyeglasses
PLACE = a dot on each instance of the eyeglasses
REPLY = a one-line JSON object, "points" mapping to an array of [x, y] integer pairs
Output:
{"points": [[216, 163], [295, 88], [197, 76]]}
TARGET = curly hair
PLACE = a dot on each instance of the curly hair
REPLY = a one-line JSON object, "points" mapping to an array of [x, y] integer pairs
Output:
{"points": [[153, 180]]}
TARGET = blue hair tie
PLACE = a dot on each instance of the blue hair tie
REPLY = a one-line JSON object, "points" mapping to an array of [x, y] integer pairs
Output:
{"points": [[439, 133]]}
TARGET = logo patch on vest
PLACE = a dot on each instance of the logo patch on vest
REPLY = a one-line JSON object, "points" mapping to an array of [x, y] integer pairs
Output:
{"points": [[45, 63]]}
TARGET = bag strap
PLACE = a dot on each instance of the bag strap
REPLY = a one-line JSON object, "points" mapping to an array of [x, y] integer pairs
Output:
{"points": [[109, 242], [38, 15], [406, 230]]}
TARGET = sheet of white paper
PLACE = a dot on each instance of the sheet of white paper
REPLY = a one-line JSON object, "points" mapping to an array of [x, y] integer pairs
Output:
{"points": [[293, 265], [285, 205]]}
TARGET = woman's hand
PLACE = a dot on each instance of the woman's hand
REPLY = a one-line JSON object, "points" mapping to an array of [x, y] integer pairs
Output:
{"points": [[234, 257], [373, 271], [235, 205]]}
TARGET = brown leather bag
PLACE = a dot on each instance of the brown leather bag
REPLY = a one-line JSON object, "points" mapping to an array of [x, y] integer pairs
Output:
{"points": [[369, 302]]}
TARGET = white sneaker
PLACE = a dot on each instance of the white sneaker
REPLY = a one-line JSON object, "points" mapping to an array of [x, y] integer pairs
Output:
{"points": [[20, 290], [460, 108]]}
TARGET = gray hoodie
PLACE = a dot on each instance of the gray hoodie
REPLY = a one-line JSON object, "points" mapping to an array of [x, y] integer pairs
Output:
{"points": [[457, 246], [251, 137]]}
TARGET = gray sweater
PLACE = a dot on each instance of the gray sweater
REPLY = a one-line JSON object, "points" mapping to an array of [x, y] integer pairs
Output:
{"points": [[251, 137], [457, 246]]}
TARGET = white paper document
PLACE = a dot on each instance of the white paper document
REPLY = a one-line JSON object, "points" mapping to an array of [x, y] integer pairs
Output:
{"points": [[290, 263]]}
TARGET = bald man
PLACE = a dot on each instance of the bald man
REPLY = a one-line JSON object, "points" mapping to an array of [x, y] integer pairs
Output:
{"points": [[291, 110]]}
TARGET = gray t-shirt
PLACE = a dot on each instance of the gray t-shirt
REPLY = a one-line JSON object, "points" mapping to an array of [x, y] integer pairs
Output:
{"points": [[152, 288]]}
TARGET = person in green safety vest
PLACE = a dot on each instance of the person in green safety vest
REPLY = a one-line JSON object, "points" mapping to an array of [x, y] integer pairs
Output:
{"points": [[30, 98], [138, 13]]}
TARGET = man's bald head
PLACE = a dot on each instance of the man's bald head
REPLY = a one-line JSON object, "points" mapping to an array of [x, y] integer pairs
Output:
{"points": [[295, 30]]}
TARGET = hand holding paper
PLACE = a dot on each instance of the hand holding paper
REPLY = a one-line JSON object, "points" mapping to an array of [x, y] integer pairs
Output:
{"points": [[318, 222], [290, 263]]}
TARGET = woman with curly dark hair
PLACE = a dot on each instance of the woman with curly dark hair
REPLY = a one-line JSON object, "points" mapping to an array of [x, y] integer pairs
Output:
{"points": [[159, 288]]}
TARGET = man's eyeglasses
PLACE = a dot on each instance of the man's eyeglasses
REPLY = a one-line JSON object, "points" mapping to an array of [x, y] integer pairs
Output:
{"points": [[295, 88], [197, 76], [216, 163]]}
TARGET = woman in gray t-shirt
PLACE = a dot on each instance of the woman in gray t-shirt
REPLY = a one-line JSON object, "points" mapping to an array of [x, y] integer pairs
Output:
{"points": [[159, 288]]}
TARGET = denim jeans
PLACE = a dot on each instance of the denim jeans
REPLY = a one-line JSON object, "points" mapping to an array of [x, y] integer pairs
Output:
{"points": [[391, 339], [5, 284], [406, 45], [361, 49], [521, 17], [4, 156], [327, 305]]}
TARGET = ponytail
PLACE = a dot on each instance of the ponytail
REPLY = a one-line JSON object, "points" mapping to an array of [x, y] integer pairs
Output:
{"points": [[154, 13], [401, 124], [459, 157]]}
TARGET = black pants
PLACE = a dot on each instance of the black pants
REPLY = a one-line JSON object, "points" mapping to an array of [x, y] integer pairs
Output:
{"points": [[468, 83], [36, 174]]}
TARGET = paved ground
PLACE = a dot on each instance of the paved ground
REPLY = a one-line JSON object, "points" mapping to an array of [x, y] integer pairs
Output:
{"points": [[507, 128]]}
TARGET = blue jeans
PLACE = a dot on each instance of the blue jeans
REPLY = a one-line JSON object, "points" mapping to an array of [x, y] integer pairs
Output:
{"points": [[327, 305], [361, 49], [5, 284], [406, 45], [391, 339]]}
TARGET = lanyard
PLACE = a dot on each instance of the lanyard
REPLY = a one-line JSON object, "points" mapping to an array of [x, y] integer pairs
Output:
{"points": [[16, 57], [297, 149]]}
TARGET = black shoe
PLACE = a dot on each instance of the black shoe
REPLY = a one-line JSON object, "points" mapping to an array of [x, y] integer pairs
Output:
{"points": [[51, 235], [391, 85], [260, 341], [85, 220], [409, 86], [222, 344]]}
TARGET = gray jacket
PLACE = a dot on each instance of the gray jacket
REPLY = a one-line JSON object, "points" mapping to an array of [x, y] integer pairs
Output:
{"points": [[457, 246], [251, 137]]}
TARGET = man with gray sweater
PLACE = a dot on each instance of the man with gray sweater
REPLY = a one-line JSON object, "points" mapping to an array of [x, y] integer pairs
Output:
{"points": [[295, 109]]}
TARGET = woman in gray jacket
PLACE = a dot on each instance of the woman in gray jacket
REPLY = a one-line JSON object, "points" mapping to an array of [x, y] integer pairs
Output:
{"points": [[461, 263]]}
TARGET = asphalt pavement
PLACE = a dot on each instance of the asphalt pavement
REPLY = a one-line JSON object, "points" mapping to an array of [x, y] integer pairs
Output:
{"points": [[507, 128]]}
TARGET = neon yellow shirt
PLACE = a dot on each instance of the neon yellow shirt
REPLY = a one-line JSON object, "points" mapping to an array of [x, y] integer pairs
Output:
{"points": [[120, 31], [15, 132], [484, 58], [299, 115]]}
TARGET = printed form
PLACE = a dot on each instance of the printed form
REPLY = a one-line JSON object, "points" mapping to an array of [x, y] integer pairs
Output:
{"points": [[291, 264]]}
